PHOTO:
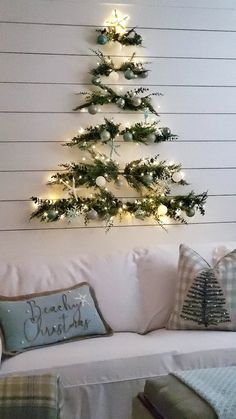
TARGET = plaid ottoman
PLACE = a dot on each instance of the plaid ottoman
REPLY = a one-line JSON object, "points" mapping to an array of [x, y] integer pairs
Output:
{"points": [[168, 398], [29, 397]]}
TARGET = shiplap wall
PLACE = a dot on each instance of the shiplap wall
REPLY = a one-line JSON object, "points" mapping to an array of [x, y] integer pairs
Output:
{"points": [[45, 57]]}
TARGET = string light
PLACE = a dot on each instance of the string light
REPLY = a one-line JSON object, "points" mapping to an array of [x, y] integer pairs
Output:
{"points": [[117, 22]]}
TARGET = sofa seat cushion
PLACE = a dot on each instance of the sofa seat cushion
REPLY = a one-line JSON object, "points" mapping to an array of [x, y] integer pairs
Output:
{"points": [[127, 356]]}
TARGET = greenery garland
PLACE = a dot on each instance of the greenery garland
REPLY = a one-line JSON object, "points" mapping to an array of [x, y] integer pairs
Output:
{"points": [[139, 133], [94, 134], [129, 38], [139, 174], [129, 101], [106, 67], [104, 206]]}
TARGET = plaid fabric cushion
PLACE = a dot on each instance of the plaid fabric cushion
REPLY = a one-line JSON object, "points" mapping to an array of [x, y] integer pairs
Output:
{"points": [[191, 264], [25, 397]]}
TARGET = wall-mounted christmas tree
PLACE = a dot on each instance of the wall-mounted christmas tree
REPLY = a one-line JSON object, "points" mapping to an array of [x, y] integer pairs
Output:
{"points": [[151, 177]]}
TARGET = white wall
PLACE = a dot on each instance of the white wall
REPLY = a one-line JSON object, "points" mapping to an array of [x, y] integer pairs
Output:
{"points": [[45, 57]]}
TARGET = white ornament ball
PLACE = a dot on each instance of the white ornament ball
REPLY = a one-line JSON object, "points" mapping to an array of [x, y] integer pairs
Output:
{"points": [[114, 47], [177, 176], [114, 76], [105, 135], [92, 214], [136, 101], [151, 138], [162, 210], [100, 181]]}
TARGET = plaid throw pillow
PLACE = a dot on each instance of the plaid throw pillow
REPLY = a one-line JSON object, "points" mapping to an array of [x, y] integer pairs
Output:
{"points": [[205, 295]]}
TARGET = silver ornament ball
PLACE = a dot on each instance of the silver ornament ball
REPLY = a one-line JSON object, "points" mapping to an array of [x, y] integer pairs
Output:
{"points": [[136, 101], [105, 135], [129, 74], [128, 136], [120, 102], [151, 138], [143, 75], [140, 214], [92, 214], [93, 109]]}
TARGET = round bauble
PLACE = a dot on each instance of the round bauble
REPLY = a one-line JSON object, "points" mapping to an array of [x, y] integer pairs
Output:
{"points": [[114, 47], [120, 102], [136, 101], [92, 214], [52, 215], [129, 74], [102, 39], [148, 179], [100, 181], [190, 212], [140, 214], [166, 132], [177, 176], [128, 136], [162, 210], [114, 76], [93, 109], [96, 80], [105, 135], [151, 138], [143, 75]]}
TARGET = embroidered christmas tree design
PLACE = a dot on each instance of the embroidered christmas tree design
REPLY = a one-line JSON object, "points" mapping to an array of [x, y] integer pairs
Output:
{"points": [[205, 302]]}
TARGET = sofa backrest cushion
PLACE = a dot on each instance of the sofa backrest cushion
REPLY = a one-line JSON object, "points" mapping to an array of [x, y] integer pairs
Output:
{"points": [[158, 274], [113, 277], [205, 295]]}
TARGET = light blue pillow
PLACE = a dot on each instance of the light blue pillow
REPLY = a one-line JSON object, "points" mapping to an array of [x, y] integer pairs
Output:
{"points": [[35, 320]]}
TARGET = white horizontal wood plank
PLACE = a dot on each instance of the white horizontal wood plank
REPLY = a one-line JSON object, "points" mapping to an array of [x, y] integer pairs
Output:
{"points": [[79, 40], [213, 14], [72, 242], [69, 69], [63, 98], [16, 215], [22, 185], [57, 127], [39, 156]]}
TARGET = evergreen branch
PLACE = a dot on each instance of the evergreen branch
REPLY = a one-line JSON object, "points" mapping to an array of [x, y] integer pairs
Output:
{"points": [[93, 135], [86, 174], [150, 174], [108, 95], [107, 65], [124, 39], [107, 206], [139, 133]]}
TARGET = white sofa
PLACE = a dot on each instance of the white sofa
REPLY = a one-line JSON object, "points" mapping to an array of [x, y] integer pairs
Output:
{"points": [[135, 292]]}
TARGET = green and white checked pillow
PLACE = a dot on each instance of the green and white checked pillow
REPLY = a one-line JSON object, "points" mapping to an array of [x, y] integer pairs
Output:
{"points": [[192, 267]]}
